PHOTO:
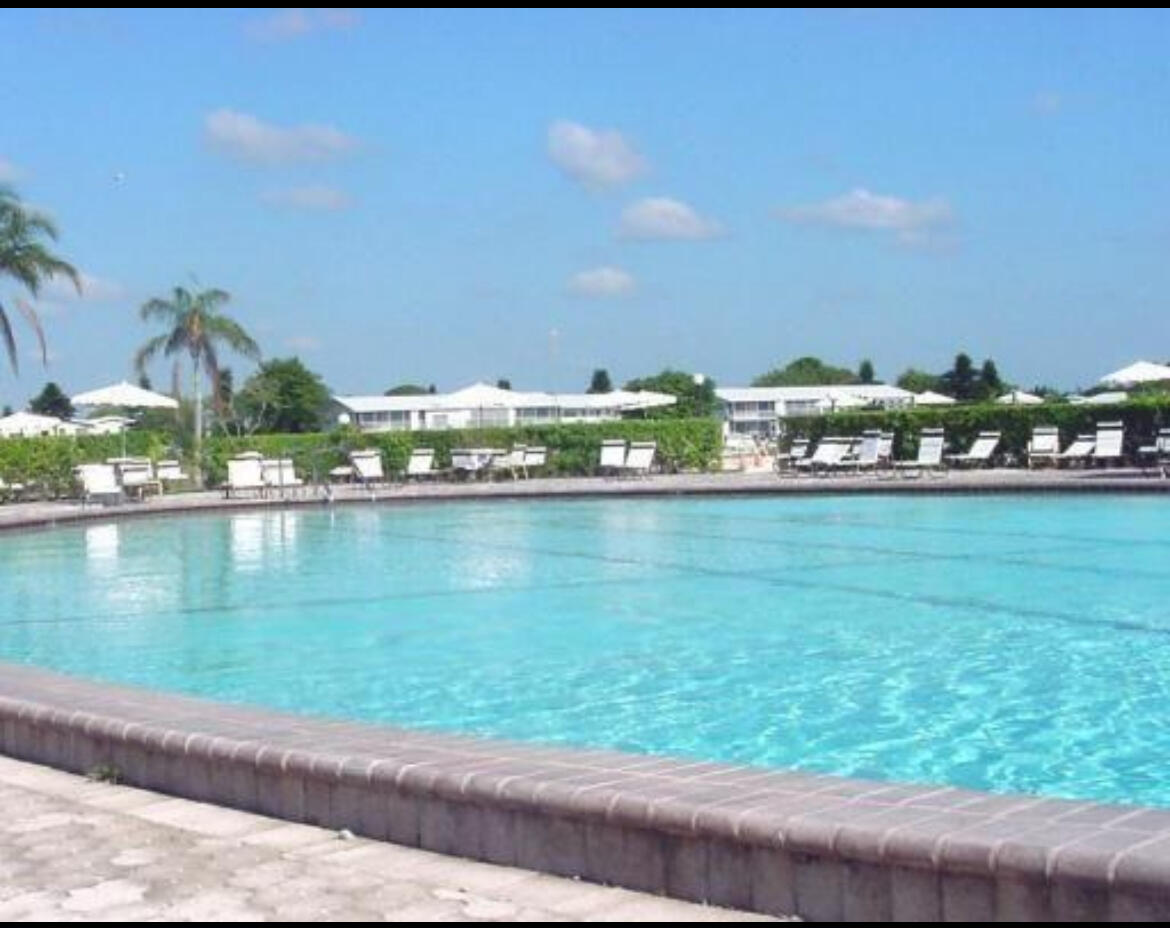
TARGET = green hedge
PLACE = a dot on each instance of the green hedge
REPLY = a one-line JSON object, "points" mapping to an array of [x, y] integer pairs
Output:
{"points": [[46, 464], [1142, 418], [683, 444]]}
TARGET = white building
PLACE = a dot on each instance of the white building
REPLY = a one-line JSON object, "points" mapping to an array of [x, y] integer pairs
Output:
{"points": [[481, 405], [30, 425], [756, 410]]}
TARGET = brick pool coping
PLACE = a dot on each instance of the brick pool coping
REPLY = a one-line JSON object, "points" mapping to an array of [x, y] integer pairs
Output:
{"points": [[774, 841]]}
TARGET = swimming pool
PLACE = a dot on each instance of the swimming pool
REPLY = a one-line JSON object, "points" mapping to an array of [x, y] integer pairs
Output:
{"points": [[1014, 643]]}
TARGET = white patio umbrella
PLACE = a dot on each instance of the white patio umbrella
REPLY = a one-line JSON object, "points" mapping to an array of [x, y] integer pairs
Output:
{"points": [[125, 395], [1020, 398], [930, 398], [1138, 372]]}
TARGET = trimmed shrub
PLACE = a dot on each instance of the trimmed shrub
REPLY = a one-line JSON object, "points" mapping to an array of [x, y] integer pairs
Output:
{"points": [[47, 463], [683, 444]]}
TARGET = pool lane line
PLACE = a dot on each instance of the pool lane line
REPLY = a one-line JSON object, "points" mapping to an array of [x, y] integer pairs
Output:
{"points": [[770, 579]]}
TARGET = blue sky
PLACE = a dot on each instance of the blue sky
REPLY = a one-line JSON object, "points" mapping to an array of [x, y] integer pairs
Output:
{"points": [[443, 197]]}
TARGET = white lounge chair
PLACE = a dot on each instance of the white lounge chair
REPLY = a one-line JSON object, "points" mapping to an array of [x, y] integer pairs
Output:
{"points": [[9, 491], [511, 463], [1110, 444], [471, 462], [980, 451], [245, 475], [640, 458], [534, 459], [1044, 446], [886, 449], [830, 453], [136, 475], [866, 456], [280, 474], [421, 464], [367, 467], [930, 454], [613, 456], [785, 461], [99, 483], [1157, 454], [1081, 449], [171, 472]]}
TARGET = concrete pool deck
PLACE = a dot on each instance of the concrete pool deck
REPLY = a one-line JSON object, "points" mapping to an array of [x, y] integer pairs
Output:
{"points": [[72, 848], [772, 841], [1120, 480]]}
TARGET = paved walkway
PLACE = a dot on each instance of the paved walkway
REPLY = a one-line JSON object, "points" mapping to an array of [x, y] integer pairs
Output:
{"points": [[74, 850]]}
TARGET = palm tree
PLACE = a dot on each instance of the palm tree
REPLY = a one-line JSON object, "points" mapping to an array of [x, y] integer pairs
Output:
{"points": [[24, 258], [196, 326]]}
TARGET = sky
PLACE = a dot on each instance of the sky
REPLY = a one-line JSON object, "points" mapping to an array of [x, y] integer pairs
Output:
{"points": [[443, 197]]}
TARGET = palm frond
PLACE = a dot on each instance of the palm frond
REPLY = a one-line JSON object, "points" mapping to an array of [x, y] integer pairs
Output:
{"points": [[30, 314], [8, 339], [232, 333], [149, 351]]}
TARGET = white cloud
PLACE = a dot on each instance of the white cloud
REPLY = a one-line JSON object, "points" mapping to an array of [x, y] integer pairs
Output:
{"points": [[602, 282], [597, 159], [293, 23], [9, 172], [908, 221], [247, 138], [329, 199], [664, 218], [302, 343], [60, 289]]}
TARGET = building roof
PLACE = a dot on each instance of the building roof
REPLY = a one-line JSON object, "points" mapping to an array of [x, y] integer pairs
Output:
{"points": [[1138, 372], [485, 396], [30, 424], [840, 394]]}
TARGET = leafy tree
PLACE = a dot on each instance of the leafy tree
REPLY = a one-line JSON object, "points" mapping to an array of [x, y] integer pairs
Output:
{"points": [[51, 401], [225, 385], [504, 383], [195, 326], [26, 260], [7, 411], [408, 389], [144, 381], [865, 371], [960, 381], [600, 382], [695, 393], [283, 396], [805, 372], [990, 384], [917, 381]]}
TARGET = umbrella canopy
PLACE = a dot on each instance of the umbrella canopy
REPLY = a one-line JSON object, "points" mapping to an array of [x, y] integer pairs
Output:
{"points": [[1020, 398], [930, 398], [1139, 372], [1100, 399], [125, 394]]}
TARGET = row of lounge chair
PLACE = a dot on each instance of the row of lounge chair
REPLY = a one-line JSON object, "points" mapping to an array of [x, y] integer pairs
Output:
{"points": [[121, 478], [619, 459], [873, 451]]}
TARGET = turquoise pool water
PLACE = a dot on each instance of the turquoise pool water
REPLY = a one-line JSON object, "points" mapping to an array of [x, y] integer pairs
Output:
{"points": [[1006, 643]]}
